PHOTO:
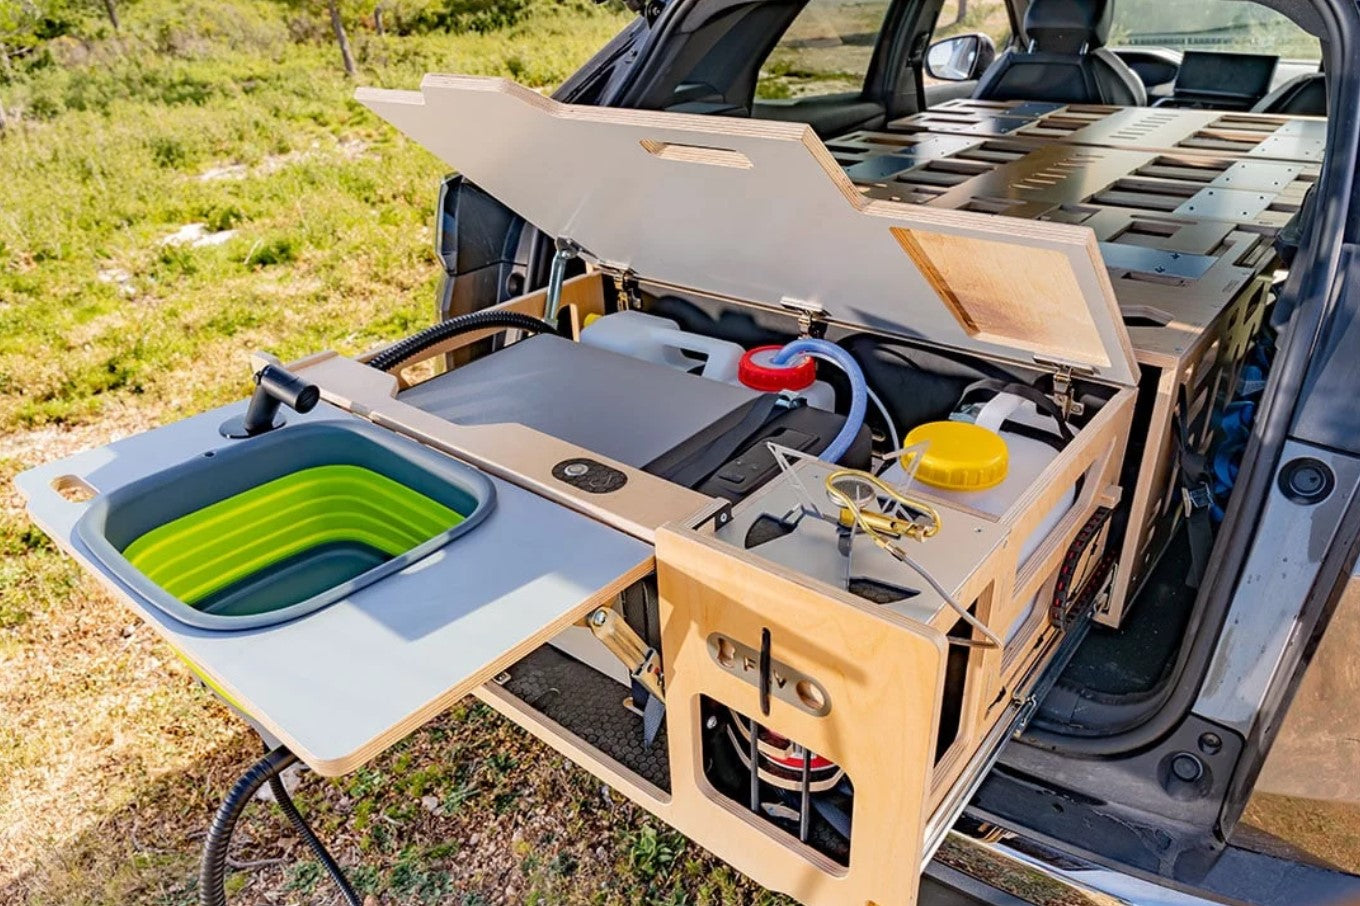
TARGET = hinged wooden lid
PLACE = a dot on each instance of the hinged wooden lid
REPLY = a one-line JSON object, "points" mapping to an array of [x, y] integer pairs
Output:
{"points": [[759, 211]]}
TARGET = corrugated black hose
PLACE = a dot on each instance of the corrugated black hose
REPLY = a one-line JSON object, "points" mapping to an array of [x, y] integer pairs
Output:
{"points": [[212, 875], [403, 351]]}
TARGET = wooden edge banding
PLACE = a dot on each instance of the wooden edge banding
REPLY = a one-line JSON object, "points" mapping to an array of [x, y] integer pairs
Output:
{"points": [[337, 767], [365, 93], [907, 239]]}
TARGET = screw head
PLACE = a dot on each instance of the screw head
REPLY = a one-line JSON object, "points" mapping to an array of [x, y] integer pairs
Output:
{"points": [[575, 470], [1210, 743]]}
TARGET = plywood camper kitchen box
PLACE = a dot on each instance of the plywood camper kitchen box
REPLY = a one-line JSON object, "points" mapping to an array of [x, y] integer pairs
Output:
{"points": [[903, 697]]}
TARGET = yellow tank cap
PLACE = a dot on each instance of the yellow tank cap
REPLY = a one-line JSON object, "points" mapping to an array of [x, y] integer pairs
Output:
{"points": [[960, 456]]}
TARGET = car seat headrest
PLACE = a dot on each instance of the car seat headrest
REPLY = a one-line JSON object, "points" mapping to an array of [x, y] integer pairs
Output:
{"points": [[1068, 26]]}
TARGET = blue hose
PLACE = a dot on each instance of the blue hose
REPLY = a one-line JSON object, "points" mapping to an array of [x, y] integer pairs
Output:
{"points": [[859, 390]]}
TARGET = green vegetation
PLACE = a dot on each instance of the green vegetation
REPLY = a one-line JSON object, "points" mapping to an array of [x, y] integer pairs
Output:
{"points": [[1212, 25], [961, 17], [826, 50], [315, 217], [177, 193]]}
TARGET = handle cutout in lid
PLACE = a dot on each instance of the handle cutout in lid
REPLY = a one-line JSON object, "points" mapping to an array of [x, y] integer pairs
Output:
{"points": [[697, 154], [74, 489]]}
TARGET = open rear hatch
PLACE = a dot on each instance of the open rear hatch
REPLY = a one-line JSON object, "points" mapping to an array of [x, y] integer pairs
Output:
{"points": [[904, 700], [894, 705]]}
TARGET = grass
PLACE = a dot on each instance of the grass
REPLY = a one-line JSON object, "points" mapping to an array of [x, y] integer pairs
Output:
{"points": [[111, 758]]}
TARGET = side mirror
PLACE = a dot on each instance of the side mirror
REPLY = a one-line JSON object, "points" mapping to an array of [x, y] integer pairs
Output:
{"points": [[962, 58]]}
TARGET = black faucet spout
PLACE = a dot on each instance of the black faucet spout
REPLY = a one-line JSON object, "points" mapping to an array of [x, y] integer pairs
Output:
{"points": [[274, 387]]}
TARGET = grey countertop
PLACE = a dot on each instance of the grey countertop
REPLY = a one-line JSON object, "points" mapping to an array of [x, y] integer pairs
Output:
{"points": [[342, 684]]}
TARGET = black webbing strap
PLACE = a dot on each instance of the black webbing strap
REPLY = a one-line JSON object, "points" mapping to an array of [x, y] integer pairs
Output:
{"points": [[1041, 402], [1196, 495], [705, 459]]}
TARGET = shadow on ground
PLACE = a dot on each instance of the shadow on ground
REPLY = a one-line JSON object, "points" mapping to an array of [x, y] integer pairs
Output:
{"points": [[470, 811]]}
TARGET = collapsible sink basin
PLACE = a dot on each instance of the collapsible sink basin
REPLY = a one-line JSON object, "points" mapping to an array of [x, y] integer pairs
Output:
{"points": [[278, 526]]}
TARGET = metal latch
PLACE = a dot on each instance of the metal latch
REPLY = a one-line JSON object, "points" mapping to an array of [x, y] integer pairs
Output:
{"points": [[811, 316], [1026, 707], [1063, 394], [643, 661]]}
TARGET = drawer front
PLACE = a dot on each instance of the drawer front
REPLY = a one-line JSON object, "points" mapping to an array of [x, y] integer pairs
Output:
{"points": [[854, 685]]}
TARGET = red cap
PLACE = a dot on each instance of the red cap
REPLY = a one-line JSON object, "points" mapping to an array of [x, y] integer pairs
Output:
{"points": [[756, 371]]}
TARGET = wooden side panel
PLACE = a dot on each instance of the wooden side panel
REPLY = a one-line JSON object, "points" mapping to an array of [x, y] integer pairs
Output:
{"points": [[1199, 369], [878, 673]]}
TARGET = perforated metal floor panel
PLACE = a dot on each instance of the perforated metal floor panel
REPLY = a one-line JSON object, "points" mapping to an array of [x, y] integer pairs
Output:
{"points": [[590, 705]]}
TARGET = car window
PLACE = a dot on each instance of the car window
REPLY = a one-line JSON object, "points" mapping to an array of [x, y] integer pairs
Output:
{"points": [[826, 50], [963, 17], [1212, 25]]}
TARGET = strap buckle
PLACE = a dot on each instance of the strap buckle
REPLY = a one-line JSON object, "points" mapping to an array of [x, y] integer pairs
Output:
{"points": [[1200, 497]]}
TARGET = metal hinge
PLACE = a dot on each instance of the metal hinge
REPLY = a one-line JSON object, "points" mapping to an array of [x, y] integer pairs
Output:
{"points": [[811, 316], [1063, 373], [627, 289]]}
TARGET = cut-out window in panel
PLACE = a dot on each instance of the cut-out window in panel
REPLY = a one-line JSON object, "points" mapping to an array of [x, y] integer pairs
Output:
{"points": [[802, 793]]}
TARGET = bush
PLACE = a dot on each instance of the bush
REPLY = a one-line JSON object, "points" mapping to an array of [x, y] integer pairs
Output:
{"points": [[472, 15], [275, 250], [479, 16]]}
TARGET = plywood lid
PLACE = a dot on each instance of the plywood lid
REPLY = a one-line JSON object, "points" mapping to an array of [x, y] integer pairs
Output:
{"points": [[760, 211]]}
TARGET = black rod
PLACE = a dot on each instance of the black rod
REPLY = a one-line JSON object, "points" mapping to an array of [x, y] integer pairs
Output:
{"points": [[805, 806], [755, 765]]}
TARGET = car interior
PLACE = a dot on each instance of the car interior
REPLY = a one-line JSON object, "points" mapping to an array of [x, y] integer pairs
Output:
{"points": [[864, 75], [1051, 50]]}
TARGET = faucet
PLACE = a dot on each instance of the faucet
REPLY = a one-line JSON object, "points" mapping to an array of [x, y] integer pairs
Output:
{"points": [[274, 386]]}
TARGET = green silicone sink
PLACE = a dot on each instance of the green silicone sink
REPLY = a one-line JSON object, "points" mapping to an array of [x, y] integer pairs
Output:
{"points": [[278, 526]]}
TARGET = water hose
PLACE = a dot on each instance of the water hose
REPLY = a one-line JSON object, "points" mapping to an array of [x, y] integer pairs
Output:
{"points": [[403, 351], [314, 843], [212, 874], [859, 389]]}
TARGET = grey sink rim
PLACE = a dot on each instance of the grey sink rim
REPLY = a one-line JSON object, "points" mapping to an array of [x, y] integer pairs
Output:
{"points": [[150, 492]]}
